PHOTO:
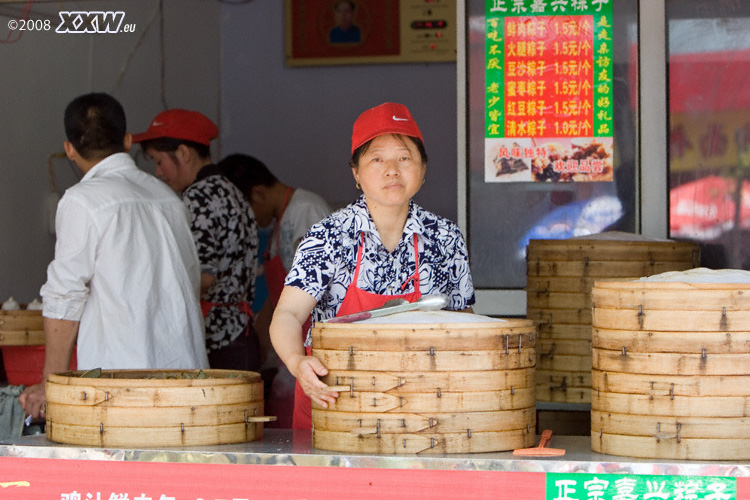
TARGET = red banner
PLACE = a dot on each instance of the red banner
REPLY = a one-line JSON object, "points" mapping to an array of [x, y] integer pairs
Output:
{"points": [[50, 479], [58, 479]]}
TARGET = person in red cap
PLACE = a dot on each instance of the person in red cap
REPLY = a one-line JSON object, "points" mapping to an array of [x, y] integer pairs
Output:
{"points": [[381, 247], [224, 230]]}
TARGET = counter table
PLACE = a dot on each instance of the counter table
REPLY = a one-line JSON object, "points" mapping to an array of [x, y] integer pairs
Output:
{"points": [[284, 465]]}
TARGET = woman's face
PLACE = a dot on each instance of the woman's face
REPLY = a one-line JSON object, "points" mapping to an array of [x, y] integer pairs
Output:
{"points": [[390, 171], [169, 169]]}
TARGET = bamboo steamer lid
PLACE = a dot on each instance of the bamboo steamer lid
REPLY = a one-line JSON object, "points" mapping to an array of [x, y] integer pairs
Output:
{"points": [[670, 358], [560, 277], [411, 385], [21, 327], [131, 408]]}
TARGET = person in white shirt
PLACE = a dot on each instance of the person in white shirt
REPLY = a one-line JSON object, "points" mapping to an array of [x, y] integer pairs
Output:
{"points": [[124, 283]]}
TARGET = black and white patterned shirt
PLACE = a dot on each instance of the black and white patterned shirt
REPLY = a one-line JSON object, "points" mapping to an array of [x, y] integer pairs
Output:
{"points": [[326, 259], [226, 238]]}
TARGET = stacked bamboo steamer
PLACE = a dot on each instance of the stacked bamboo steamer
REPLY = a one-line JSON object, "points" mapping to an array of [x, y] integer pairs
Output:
{"points": [[429, 382], [22, 342], [560, 275], [132, 408], [671, 366]]}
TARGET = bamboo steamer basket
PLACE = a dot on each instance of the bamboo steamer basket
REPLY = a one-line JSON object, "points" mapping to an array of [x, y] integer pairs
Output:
{"points": [[21, 327], [133, 408], [560, 276], [670, 374], [409, 388]]}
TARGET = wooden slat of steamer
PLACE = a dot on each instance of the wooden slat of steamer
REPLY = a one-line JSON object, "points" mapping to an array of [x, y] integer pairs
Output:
{"points": [[395, 383], [731, 448], [556, 378], [560, 316], [637, 404], [669, 427], [479, 442], [672, 320], [405, 423], [125, 437], [158, 378], [666, 385], [155, 416], [669, 363], [557, 300], [552, 348], [559, 285], [653, 341], [550, 331], [614, 250], [419, 337], [21, 337], [152, 396], [444, 402], [565, 363], [21, 320], [425, 361], [600, 268], [668, 296], [581, 395]]}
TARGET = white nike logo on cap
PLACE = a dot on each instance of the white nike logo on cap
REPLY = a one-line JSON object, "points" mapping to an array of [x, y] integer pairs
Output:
{"points": [[400, 119], [156, 124]]}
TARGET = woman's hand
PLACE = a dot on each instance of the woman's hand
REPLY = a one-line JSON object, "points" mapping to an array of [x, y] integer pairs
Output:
{"points": [[291, 312], [307, 370]]}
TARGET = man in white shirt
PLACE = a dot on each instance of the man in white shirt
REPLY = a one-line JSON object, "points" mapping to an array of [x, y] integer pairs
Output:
{"points": [[125, 279]]}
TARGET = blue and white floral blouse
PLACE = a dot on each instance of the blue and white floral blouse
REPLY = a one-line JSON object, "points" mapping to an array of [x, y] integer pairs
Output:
{"points": [[326, 259]]}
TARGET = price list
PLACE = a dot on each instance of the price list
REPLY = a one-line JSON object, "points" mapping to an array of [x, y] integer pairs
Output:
{"points": [[548, 77]]}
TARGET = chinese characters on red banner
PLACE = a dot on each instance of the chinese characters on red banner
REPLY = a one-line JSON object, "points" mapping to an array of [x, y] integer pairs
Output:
{"points": [[549, 91]]}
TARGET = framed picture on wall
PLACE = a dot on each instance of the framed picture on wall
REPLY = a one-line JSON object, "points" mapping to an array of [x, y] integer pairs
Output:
{"points": [[330, 32]]}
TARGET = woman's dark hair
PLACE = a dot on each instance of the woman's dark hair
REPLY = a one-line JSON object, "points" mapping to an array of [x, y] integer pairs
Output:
{"points": [[246, 172], [170, 145], [95, 125], [354, 161]]}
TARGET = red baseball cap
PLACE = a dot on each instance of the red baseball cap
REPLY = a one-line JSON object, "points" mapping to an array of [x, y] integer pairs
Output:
{"points": [[180, 124], [388, 118]]}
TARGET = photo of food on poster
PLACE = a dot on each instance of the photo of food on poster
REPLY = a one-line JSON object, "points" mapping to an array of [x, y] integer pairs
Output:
{"points": [[583, 159], [548, 107]]}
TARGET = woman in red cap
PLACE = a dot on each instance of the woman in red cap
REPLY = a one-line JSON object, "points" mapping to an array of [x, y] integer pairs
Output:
{"points": [[381, 247]]}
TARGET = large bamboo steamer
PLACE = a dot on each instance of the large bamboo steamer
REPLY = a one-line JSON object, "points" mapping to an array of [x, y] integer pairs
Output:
{"points": [[132, 408], [434, 387], [560, 276], [670, 374]]}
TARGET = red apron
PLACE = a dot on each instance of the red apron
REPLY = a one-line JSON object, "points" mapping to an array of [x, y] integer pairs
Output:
{"points": [[274, 267], [356, 300]]}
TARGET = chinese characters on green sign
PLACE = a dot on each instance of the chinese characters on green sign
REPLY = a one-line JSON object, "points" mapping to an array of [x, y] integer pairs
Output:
{"points": [[638, 487], [548, 76]]}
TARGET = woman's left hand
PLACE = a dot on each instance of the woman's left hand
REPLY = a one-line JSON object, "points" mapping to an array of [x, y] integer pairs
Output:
{"points": [[308, 370]]}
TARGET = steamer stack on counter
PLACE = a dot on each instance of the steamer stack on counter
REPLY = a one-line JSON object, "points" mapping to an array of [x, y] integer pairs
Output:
{"points": [[560, 275], [429, 382], [671, 359], [131, 408]]}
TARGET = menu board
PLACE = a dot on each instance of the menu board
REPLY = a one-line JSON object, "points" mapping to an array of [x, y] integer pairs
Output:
{"points": [[548, 91]]}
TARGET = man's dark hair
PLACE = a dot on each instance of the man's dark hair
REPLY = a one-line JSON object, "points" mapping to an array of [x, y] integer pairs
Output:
{"points": [[246, 172], [95, 125], [170, 145]]}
